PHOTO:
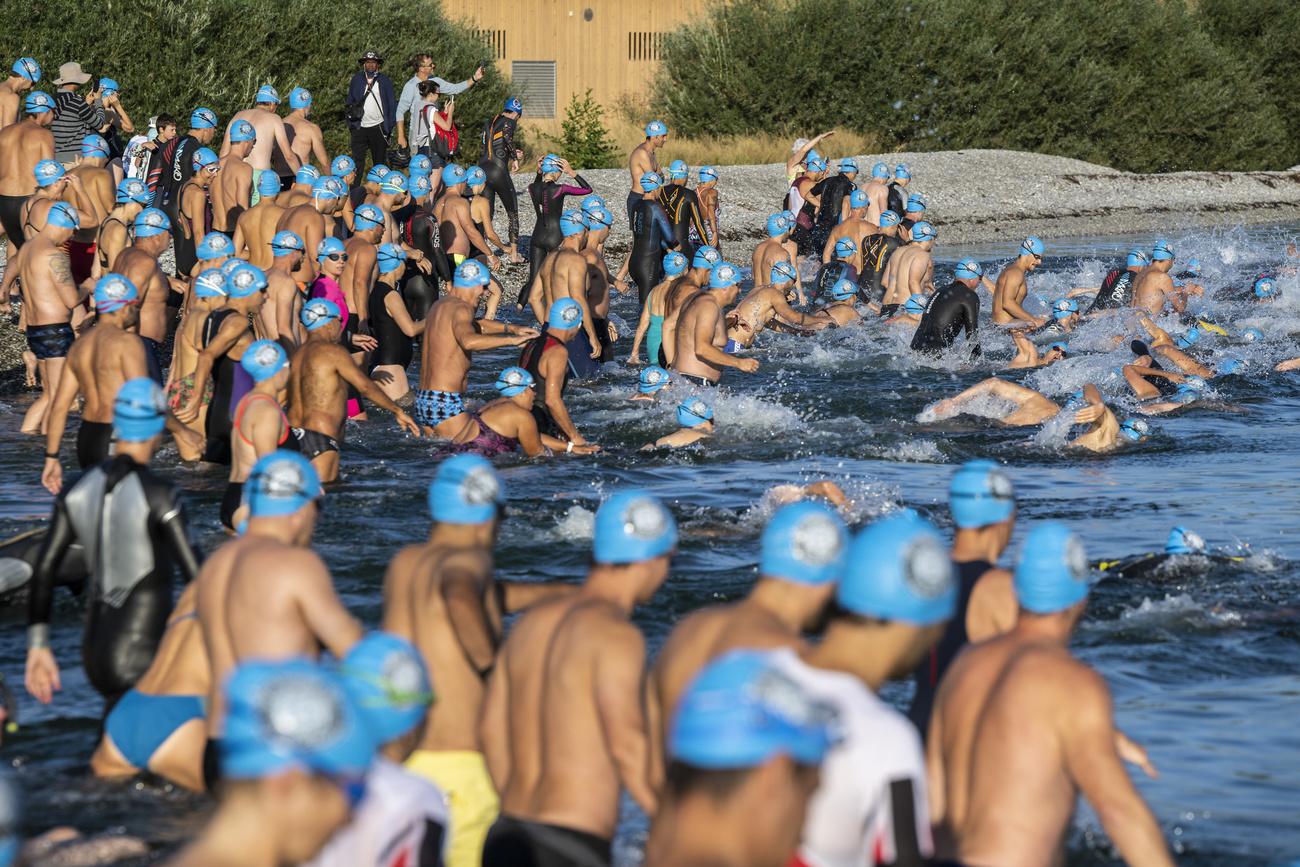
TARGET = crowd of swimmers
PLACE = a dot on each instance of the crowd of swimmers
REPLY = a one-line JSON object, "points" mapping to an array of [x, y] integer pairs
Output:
{"points": [[757, 737]]}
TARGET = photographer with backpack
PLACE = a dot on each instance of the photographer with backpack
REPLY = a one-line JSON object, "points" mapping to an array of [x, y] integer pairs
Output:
{"points": [[371, 112]]}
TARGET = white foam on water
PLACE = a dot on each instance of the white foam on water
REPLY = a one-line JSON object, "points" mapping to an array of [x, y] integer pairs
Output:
{"points": [[919, 451], [1179, 608], [577, 524]]}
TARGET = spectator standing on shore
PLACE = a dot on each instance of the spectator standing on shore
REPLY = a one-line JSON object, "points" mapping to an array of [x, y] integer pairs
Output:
{"points": [[371, 112], [409, 102], [75, 116]]}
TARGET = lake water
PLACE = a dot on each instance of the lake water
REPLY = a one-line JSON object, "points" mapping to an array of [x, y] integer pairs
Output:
{"points": [[1203, 662]]}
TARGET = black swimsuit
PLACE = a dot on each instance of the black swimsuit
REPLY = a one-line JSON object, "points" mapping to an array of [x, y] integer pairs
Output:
{"points": [[932, 669], [950, 310], [499, 151], [394, 346], [223, 383]]}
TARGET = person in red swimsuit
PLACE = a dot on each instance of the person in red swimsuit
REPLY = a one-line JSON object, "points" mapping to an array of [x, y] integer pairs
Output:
{"points": [[260, 425]]}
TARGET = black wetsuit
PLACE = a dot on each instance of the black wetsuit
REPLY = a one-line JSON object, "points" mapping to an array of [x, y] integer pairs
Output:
{"points": [[896, 200], [652, 234], [131, 525], [830, 274], [832, 191], [498, 151], [420, 290], [875, 258], [682, 206], [1116, 291], [219, 422], [1145, 565], [932, 669], [530, 359], [950, 310], [394, 346], [548, 204]]}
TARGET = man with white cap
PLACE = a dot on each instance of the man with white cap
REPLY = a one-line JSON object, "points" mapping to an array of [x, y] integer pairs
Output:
{"points": [[270, 137]]}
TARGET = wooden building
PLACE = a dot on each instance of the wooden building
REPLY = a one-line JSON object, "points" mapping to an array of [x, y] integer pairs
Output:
{"points": [[555, 49]]}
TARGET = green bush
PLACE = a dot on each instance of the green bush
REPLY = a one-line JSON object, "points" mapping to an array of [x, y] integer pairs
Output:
{"points": [[584, 141], [171, 56], [1135, 84]]}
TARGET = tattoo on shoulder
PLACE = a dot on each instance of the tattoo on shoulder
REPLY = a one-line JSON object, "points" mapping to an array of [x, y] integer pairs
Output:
{"points": [[60, 267]]}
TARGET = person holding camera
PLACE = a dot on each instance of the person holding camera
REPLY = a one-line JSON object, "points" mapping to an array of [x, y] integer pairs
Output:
{"points": [[75, 115], [435, 134], [423, 67], [371, 112]]}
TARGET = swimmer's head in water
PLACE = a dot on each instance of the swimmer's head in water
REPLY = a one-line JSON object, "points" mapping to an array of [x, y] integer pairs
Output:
{"points": [[343, 165], [139, 410], [63, 215], [859, 199], [848, 166], [1059, 348], [678, 170], [48, 172], [651, 181], [367, 216], [1183, 541], [653, 379], [475, 177], [38, 102], [724, 276], [693, 412], [391, 258], [1064, 308], [242, 131], [284, 242], [707, 174], [300, 97], [1138, 259], [292, 715], [1188, 338], [388, 682], [706, 257], [655, 128], [843, 290], [152, 221], [632, 526], [93, 146], [902, 172], [1266, 287], [465, 490], [306, 175], [245, 280], [113, 292], [898, 569], [980, 494], [805, 542], [203, 118], [280, 484], [263, 359], [268, 185], [322, 189], [420, 186], [890, 218], [1032, 246], [845, 248], [28, 68], [1250, 335], [1052, 572], [967, 269], [267, 95], [211, 283], [739, 712], [572, 223], [1163, 251], [513, 381], [777, 225], [319, 312], [674, 263], [376, 173], [915, 305], [923, 231], [916, 204], [395, 182], [133, 190], [564, 314], [782, 272], [1135, 429]]}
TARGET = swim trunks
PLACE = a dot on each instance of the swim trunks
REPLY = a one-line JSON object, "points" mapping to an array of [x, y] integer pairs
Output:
{"points": [[11, 217], [514, 841], [732, 347], [433, 407], [698, 380], [230, 504], [81, 259], [581, 363], [179, 392], [153, 358], [472, 802], [50, 341], [139, 724], [94, 439], [312, 444]]}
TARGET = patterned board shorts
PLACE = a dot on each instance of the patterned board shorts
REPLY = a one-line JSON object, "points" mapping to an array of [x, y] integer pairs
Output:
{"points": [[432, 408]]}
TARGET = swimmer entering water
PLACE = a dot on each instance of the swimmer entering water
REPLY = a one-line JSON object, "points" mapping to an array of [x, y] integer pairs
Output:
{"points": [[1182, 543], [1027, 354], [1032, 408], [696, 419], [653, 380]]}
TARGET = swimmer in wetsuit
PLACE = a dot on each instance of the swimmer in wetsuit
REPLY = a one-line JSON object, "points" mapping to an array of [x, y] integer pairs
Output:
{"points": [[682, 206], [392, 325], [842, 310], [652, 236], [131, 525], [1182, 543], [500, 158], [696, 419], [839, 265], [951, 310], [1116, 292], [420, 232], [877, 252], [548, 194]]}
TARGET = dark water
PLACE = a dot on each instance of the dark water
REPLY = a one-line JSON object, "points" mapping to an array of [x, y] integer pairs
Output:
{"points": [[1202, 661]]}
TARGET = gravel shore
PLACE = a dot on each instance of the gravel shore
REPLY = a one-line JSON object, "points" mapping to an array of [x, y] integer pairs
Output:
{"points": [[975, 196]]}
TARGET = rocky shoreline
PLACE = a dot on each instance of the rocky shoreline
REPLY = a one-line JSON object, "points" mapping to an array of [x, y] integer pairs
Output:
{"points": [[975, 196]]}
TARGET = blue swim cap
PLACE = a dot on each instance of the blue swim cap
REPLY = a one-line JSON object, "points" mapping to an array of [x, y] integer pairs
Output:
{"points": [[452, 175], [64, 215], [93, 146], [1134, 429], [899, 570], [48, 172], [777, 226], [242, 130], [228, 267], [203, 118], [1052, 573], [678, 170], [292, 715], [1032, 246], [211, 283], [139, 410], [632, 526], [465, 490], [902, 172], [475, 177], [551, 165], [1250, 335], [859, 199], [923, 231], [804, 542], [1265, 287], [1060, 347], [915, 204], [389, 683], [1195, 383], [653, 378], [280, 484], [268, 185], [740, 712], [108, 85], [706, 257], [113, 292], [655, 128], [651, 181], [204, 157], [514, 104], [152, 221], [263, 359], [391, 258], [420, 186], [299, 97], [1063, 308], [708, 173], [471, 274], [395, 182], [1162, 251], [513, 381], [1137, 259], [599, 219], [565, 313], [329, 246], [306, 175], [376, 173], [592, 201], [916, 304], [318, 312], [1189, 337], [28, 68], [889, 218], [843, 290], [674, 263], [1183, 541], [367, 217], [343, 165], [980, 495], [880, 171], [285, 241], [267, 94], [848, 166], [133, 190], [694, 411], [818, 165], [572, 223], [724, 275], [967, 269], [782, 272], [245, 280], [213, 246], [845, 247], [38, 102]]}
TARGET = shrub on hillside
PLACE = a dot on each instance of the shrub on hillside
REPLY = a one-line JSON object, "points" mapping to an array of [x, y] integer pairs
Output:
{"points": [[584, 141]]}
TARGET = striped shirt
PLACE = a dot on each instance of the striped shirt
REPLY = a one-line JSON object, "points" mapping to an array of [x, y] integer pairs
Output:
{"points": [[74, 119]]}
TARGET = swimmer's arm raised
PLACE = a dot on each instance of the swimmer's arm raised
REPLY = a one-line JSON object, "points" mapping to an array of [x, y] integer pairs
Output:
{"points": [[620, 675]]}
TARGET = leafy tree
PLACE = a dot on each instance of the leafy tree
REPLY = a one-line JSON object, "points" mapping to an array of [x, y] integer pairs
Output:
{"points": [[584, 141]]}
